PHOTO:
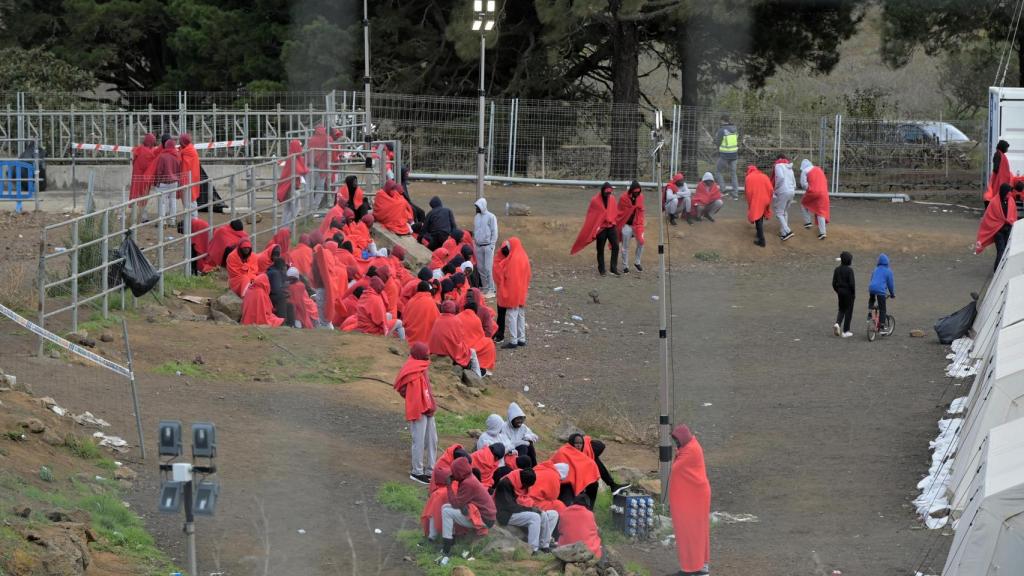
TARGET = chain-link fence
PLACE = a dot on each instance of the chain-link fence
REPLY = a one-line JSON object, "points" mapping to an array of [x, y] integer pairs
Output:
{"points": [[526, 139]]}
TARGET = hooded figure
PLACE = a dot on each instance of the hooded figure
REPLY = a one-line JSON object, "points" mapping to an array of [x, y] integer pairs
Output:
{"points": [[576, 523], [995, 226], [545, 491], [689, 496], [511, 498], [143, 168], [438, 225], [676, 199], [302, 255], [845, 287], [707, 199], [519, 435], [287, 179], [472, 499], [758, 189], [354, 197], [583, 472], [512, 274], [785, 188], [599, 225], [473, 333], [307, 314], [882, 286], [485, 234], [392, 210], [815, 203], [493, 433], [256, 306], [190, 170], [225, 239], [486, 461], [630, 222], [447, 339], [1001, 173], [36, 155], [413, 383], [243, 265]]}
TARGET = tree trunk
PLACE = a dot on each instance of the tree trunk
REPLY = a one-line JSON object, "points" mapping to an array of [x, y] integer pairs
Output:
{"points": [[625, 97], [689, 118]]}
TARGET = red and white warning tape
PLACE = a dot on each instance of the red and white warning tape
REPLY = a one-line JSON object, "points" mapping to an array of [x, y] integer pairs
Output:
{"points": [[127, 149]]}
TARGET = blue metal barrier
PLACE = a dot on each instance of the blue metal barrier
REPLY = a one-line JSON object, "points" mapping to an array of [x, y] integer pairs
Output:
{"points": [[17, 182]]}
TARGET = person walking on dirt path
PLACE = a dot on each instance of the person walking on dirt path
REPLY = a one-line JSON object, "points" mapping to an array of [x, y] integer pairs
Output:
{"points": [[689, 496], [815, 203], [631, 224], [485, 235], [782, 197], [512, 274], [1001, 173], [728, 139], [471, 499], [413, 384], [844, 284], [599, 225], [677, 199], [759, 198], [707, 200], [882, 286], [996, 224]]}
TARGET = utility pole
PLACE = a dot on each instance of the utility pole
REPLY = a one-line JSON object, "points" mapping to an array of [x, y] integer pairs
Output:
{"points": [[484, 19], [664, 425], [367, 81]]}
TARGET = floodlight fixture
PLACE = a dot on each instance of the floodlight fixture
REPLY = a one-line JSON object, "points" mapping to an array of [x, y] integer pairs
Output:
{"points": [[204, 440], [478, 6], [489, 25], [170, 438], [490, 6], [659, 121], [170, 497], [205, 501], [477, 24]]}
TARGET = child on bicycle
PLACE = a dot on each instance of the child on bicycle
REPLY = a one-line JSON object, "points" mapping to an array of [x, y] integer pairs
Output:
{"points": [[882, 286]]}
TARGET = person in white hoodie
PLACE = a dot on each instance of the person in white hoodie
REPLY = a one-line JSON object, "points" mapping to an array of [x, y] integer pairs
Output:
{"points": [[494, 433], [485, 235], [519, 435], [785, 188]]}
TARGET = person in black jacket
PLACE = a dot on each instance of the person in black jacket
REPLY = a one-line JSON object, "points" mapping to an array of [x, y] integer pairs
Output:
{"points": [[438, 225], [539, 524], [845, 287], [277, 275]]}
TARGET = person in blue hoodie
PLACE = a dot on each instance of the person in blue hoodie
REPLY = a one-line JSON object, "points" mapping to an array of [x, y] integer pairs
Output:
{"points": [[882, 286]]}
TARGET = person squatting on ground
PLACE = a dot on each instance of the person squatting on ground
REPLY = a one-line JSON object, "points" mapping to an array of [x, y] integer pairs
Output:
{"points": [[471, 499], [413, 383], [599, 225], [845, 286], [815, 204], [689, 497], [677, 199], [539, 524], [784, 189], [707, 199], [728, 138], [485, 234], [631, 224], [882, 285], [759, 198], [512, 274], [996, 223]]}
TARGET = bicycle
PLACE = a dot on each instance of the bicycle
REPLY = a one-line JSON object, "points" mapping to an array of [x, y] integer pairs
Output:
{"points": [[875, 328]]}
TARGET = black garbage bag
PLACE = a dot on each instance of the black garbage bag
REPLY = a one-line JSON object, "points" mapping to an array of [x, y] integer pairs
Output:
{"points": [[137, 272], [205, 201], [957, 324]]}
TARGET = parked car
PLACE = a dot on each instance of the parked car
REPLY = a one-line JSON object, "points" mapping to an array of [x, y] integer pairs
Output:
{"points": [[932, 132]]}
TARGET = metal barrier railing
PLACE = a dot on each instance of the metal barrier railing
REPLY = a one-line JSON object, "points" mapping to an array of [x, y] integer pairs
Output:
{"points": [[82, 269]]}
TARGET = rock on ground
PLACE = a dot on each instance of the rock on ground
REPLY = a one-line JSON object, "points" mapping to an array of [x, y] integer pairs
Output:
{"points": [[517, 209], [505, 543], [228, 304], [576, 552], [462, 571]]}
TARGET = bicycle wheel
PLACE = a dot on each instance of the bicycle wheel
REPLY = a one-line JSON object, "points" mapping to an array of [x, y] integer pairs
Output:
{"points": [[890, 325], [872, 331]]}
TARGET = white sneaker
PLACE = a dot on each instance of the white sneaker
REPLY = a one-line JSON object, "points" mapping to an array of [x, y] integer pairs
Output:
{"points": [[847, 334], [836, 330], [443, 561], [489, 295]]}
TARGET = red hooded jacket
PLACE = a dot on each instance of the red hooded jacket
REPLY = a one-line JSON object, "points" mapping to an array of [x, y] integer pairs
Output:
{"points": [[601, 213]]}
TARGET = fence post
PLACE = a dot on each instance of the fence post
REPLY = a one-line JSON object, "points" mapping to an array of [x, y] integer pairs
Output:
{"points": [[251, 188], [186, 224], [41, 288], [273, 199], [511, 121], [231, 193], [836, 162], [134, 388], [296, 202], [248, 136], [105, 246], [74, 275], [490, 141], [160, 205], [543, 172]]}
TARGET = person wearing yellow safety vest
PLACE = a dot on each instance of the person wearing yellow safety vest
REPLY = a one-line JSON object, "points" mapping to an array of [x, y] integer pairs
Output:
{"points": [[728, 140]]}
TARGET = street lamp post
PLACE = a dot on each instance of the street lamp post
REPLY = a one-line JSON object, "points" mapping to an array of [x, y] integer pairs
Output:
{"points": [[483, 21], [367, 126], [664, 423]]}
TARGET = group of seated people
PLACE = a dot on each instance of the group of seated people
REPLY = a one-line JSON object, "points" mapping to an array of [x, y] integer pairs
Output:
{"points": [[502, 482], [336, 277], [680, 202]]}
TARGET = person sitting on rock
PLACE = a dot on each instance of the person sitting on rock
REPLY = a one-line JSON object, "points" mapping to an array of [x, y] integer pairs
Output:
{"points": [[539, 524], [486, 461], [447, 339], [493, 434], [519, 435], [471, 498], [591, 451], [577, 524]]}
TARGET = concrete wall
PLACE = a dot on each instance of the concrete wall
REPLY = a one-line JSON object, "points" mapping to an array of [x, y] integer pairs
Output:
{"points": [[115, 177]]}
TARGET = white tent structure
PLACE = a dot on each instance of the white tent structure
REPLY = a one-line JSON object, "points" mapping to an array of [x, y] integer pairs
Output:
{"points": [[1008, 311], [992, 302], [997, 398], [989, 537]]}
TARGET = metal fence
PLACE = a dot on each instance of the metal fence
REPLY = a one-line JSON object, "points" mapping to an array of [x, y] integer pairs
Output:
{"points": [[525, 139], [78, 260]]}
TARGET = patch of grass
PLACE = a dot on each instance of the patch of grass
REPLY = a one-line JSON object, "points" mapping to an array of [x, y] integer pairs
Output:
{"points": [[708, 256], [50, 347], [451, 424], [339, 372], [106, 464], [173, 367], [97, 323], [603, 514], [180, 282], [401, 497], [637, 568], [14, 435], [84, 448], [424, 552]]}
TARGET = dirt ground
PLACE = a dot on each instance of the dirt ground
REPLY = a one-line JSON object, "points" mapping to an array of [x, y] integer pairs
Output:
{"points": [[822, 439]]}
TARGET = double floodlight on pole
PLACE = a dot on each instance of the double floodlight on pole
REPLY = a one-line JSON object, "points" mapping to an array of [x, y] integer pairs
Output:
{"points": [[181, 490], [484, 18]]}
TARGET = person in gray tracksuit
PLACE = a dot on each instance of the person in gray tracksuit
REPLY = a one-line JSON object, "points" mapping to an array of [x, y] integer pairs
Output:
{"points": [[485, 235], [785, 188]]}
